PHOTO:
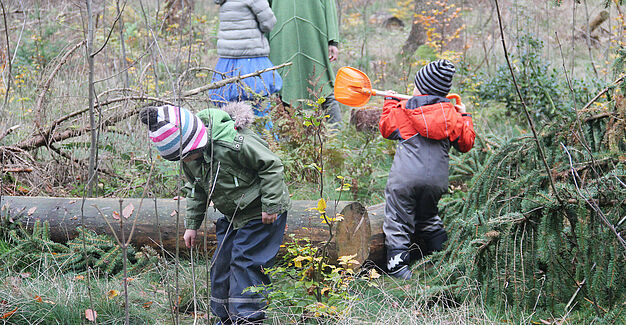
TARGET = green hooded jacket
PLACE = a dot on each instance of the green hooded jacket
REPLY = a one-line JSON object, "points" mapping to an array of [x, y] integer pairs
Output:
{"points": [[249, 176]]}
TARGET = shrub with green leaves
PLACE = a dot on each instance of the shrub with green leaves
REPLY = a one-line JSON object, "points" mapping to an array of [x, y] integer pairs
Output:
{"points": [[544, 89]]}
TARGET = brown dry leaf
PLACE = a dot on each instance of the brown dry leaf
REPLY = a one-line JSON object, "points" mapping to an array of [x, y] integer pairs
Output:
{"points": [[373, 274], [147, 304], [79, 277], [31, 211], [112, 294], [71, 202], [128, 211], [91, 315], [38, 299], [7, 315], [173, 213], [116, 215]]}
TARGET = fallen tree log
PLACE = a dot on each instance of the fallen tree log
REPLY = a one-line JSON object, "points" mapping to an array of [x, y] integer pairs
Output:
{"points": [[360, 232]]}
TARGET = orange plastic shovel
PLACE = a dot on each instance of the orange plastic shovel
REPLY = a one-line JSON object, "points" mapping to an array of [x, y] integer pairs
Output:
{"points": [[353, 88]]}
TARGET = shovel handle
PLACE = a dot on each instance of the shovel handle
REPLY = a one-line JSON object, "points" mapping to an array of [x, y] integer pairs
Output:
{"points": [[387, 94], [375, 92], [456, 98]]}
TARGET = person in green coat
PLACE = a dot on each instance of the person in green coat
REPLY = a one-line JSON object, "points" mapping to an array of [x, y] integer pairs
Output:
{"points": [[307, 34], [227, 164]]}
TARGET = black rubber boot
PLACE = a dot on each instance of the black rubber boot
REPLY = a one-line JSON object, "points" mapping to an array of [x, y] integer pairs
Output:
{"points": [[434, 242], [398, 264]]}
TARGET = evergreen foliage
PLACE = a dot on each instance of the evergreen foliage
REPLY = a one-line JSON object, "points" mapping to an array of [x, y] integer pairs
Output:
{"points": [[534, 250], [100, 251]]}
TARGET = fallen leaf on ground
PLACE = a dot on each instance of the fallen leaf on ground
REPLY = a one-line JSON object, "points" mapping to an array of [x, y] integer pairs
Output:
{"points": [[7, 315], [112, 294], [91, 315], [128, 211], [116, 215], [31, 211]]}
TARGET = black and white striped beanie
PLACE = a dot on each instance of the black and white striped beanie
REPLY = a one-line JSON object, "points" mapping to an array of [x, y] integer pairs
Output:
{"points": [[435, 78], [166, 123]]}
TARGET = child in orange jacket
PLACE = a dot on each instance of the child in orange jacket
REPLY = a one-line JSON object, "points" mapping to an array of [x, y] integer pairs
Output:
{"points": [[426, 125]]}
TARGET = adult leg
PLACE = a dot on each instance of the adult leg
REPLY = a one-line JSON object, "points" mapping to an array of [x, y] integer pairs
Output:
{"points": [[254, 248], [331, 107], [220, 270]]}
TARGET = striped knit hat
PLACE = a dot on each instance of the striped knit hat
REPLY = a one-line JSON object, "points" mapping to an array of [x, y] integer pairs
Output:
{"points": [[435, 78], [164, 124]]}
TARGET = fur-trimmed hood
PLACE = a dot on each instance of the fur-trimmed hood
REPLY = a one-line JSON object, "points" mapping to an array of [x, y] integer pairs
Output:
{"points": [[240, 112], [224, 122]]}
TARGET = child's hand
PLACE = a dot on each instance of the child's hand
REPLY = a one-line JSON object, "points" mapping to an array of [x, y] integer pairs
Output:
{"points": [[190, 237], [460, 108], [268, 218]]}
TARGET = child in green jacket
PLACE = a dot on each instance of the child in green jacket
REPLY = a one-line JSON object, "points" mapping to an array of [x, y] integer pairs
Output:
{"points": [[247, 187]]}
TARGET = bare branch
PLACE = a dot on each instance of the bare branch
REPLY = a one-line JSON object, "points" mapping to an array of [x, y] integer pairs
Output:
{"points": [[224, 82], [8, 131], [592, 204], [526, 112], [46, 85]]}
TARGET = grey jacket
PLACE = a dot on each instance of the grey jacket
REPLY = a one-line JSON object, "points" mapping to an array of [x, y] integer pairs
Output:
{"points": [[242, 24]]}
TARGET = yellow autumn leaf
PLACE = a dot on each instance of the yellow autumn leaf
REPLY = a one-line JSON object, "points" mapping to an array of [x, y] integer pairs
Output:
{"points": [[321, 205], [297, 261], [373, 274]]}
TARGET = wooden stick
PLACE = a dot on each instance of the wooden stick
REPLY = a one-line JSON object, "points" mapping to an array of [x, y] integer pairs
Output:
{"points": [[8, 131], [225, 82], [17, 169]]}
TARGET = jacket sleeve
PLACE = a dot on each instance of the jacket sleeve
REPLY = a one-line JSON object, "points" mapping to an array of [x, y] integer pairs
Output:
{"points": [[264, 14], [387, 123], [196, 201], [332, 24], [256, 156], [465, 141]]}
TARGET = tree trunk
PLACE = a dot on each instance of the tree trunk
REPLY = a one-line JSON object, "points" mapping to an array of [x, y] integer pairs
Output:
{"points": [[360, 232], [417, 36]]}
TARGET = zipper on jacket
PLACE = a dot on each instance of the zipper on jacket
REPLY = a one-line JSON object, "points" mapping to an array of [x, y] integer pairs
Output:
{"points": [[193, 189]]}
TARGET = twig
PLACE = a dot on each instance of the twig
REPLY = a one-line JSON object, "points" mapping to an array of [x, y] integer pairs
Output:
{"points": [[39, 140], [91, 99], [9, 63], [124, 248], [9, 131], [46, 84], [526, 112], [613, 84], [592, 204], [17, 169], [106, 41], [78, 162], [224, 82]]}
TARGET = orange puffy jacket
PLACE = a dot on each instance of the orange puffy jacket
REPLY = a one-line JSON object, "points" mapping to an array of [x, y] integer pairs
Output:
{"points": [[432, 117]]}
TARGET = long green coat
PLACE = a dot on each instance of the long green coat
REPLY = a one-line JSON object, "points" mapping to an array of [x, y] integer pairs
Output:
{"points": [[303, 31]]}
